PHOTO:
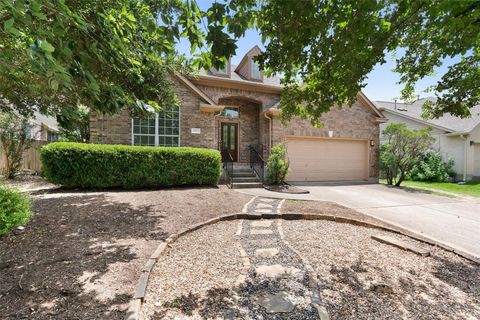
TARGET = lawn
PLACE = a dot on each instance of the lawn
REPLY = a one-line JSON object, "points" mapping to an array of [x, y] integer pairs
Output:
{"points": [[469, 189]]}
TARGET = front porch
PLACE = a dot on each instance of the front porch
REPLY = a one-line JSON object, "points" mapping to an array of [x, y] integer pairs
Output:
{"points": [[240, 125]]}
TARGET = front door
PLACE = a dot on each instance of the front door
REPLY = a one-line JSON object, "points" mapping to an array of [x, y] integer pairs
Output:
{"points": [[230, 139]]}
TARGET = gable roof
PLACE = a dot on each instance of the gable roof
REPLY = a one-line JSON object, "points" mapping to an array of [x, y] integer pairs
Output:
{"points": [[251, 53], [47, 121], [369, 103], [447, 122]]}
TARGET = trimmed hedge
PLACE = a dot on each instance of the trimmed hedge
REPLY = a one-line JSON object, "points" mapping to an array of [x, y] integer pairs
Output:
{"points": [[79, 165], [15, 209]]}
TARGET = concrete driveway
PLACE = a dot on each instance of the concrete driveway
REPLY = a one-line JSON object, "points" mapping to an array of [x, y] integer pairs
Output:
{"points": [[453, 222]]}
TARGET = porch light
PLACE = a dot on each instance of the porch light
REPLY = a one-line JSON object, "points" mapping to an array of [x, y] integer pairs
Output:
{"points": [[330, 133], [372, 143]]}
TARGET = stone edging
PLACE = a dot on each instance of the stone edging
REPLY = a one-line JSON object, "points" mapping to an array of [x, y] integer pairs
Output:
{"points": [[135, 305]]}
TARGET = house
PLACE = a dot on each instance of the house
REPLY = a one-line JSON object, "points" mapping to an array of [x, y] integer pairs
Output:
{"points": [[43, 128], [237, 107], [455, 138]]}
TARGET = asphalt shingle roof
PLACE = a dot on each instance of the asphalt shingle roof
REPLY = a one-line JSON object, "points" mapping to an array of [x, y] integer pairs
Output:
{"points": [[275, 81], [447, 121]]}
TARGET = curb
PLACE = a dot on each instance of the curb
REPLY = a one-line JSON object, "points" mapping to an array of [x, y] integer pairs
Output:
{"points": [[135, 305]]}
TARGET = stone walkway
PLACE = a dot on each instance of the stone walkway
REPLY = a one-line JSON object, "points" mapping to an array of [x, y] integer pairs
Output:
{"points": [[275, 282]]}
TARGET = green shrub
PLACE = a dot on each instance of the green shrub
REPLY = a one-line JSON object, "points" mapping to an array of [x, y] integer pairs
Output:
{"points": [[15, 209], [79, 165], [277, 165], [432, 168]]}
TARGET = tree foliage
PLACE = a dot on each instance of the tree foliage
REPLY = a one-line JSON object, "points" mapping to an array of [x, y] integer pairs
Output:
{"points": [[432, 168], [277, 164], [14, 140], [402, 150], [325, 49], [57, 54], [75, 125]]}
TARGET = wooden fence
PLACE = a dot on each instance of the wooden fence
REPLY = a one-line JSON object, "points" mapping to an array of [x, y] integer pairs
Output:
{"points": [[31, 157]]}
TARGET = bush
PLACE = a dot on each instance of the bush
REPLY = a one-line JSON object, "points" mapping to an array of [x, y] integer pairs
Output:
{"points": [[432, 168], [15, 209], [277, 165], [402, 149], [79, 165]]}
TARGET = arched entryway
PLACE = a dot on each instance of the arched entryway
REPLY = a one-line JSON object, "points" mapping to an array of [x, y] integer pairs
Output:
{"points": [[239, 126]]}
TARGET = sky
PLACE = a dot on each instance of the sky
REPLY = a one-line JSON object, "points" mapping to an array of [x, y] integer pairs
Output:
{"points": [[381, 83]]}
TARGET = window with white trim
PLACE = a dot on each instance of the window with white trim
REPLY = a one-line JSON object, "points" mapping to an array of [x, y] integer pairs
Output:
{"points": [[256, 71], [159, 129]]}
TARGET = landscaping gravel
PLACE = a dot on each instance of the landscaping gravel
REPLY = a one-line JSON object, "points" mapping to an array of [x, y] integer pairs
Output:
{"points": [[82, 253], [351, 267], [193, 279]]}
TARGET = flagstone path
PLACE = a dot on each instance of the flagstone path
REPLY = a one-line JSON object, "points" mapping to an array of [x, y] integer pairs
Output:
{"points": [[275, 282]]}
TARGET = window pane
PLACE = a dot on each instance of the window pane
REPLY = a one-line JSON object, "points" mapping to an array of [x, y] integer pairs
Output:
{"points": [[230, 112], [255, 70], [168, 128], [232, 138]]}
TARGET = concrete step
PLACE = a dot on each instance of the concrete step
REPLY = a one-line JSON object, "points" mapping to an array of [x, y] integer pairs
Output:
{"points": [[243, 174], [242, 170], [245, 179], [242, 185]]}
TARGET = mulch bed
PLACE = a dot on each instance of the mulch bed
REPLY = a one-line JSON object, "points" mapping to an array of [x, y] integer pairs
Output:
{"points": [[285, 188], [81, 254]]}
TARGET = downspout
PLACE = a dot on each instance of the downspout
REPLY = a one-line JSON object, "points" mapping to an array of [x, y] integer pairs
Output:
{"points": [[464, 158], [217, 130], [269, 132]]}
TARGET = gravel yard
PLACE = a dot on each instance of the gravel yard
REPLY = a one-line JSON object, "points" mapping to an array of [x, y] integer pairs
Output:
{"points": [[357, 277], [81, 254], [329, 208], [191, 278], [348, 261]]}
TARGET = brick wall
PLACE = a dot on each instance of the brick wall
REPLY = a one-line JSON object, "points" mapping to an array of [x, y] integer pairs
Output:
{"points": [[248, 124], [356, 122]]}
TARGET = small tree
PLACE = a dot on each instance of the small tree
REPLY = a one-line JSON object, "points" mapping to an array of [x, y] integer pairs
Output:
{"points": [[14, 139], [402, 150], [74, 124], [277, 165]]}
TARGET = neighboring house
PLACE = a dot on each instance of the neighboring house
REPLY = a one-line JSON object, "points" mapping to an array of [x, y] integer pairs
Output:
{"points": [[43, 128], [238, 107], [455, 138]]}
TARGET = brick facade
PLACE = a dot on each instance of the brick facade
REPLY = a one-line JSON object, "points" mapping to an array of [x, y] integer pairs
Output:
{"points": [[357, 122]]}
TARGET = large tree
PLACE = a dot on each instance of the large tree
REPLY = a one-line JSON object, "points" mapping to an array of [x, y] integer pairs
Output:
{"points": [[325, 49], [115, 53], [109, 54]]}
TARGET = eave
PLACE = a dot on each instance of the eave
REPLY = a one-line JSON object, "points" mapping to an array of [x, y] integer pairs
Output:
{"points": [[212, 81]]}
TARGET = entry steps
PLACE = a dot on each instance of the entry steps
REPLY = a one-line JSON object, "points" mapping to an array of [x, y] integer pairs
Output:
{"points": [[245, 177]]}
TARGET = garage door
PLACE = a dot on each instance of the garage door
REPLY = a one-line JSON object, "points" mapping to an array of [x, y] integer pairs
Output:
{"points": [[318, 159]]}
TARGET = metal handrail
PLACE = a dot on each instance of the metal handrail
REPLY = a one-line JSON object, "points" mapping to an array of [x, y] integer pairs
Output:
{"points": [[257, 164], [227, 164]]}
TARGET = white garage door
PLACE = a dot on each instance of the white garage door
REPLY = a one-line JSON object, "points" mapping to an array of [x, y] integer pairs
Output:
{"points": [[319, 159]]}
